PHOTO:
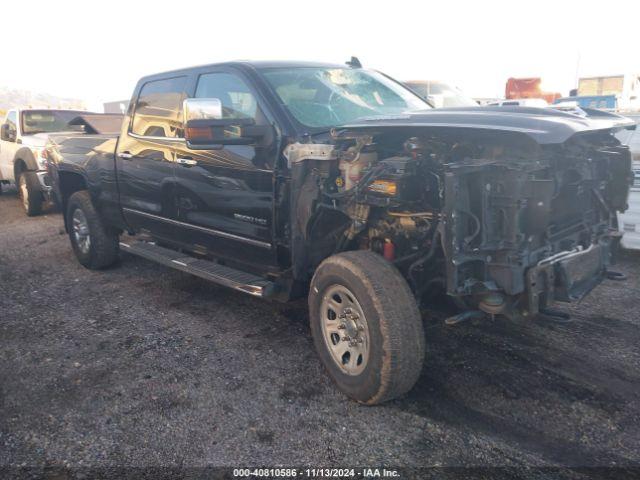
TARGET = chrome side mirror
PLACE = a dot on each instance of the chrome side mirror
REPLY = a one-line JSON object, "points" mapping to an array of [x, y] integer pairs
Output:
{"points": [[202, 109], [206, 128]]}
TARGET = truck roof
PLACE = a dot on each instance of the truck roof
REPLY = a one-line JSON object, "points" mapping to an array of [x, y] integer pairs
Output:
{"points": [[48, 109], [255, 64]]}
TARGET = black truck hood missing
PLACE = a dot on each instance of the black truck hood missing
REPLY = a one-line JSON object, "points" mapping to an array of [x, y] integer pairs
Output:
{"points": [[543, 125]]}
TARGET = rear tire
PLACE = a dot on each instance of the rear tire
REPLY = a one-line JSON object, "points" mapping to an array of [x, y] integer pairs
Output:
{"points": [[95, 244], [360, 297], [30, 193]]}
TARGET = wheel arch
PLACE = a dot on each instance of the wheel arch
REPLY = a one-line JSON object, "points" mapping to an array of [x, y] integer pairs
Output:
{"points": [[19, 166], [68, 184], [23, 160]]}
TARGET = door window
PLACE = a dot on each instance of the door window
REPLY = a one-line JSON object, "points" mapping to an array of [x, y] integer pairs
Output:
{"points": [[12, 122], [235, 96], [238, 102], [159, 107]]}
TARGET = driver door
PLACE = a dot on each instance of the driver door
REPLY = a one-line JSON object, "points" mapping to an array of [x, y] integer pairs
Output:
{"points": [[226, 194]]}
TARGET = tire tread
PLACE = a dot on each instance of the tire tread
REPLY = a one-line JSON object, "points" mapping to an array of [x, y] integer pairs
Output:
{"points": [[400, 321], [35, 195], [104, 241]]}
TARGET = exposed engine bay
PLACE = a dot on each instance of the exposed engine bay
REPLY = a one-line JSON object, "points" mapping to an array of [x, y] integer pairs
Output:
{"points": [[501, 222]]}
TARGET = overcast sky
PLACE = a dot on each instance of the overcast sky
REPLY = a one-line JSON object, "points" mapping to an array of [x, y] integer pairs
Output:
{"points": [[96, 51]]}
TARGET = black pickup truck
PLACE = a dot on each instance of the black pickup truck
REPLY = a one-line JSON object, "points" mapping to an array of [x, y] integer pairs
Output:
{"points": [[290, 179]]}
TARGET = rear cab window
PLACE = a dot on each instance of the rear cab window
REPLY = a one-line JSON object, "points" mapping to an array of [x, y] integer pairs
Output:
{"points": [[47, 121]]}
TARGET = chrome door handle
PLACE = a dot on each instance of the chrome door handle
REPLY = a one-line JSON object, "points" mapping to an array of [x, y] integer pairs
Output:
{"points": [[189, 162], [125, 155]]}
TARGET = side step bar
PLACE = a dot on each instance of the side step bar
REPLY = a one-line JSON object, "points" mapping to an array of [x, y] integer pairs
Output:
{"points": [[221, 274]]}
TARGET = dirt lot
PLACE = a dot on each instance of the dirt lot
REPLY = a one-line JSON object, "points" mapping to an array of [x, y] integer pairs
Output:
{"points": [[140, 365]]}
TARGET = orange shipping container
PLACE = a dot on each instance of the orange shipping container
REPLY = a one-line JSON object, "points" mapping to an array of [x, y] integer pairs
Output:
{"points": [[528, 88]]}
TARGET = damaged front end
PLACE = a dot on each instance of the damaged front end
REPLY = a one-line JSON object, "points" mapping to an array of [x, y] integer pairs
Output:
{"points": [[505, 218], [536, 230]]}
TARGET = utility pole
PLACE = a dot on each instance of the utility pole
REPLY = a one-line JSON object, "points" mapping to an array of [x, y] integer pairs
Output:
{"points": [[575, 83]]}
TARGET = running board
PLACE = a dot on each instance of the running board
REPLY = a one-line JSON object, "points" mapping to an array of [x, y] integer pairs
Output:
{"points": [[214, 272]]}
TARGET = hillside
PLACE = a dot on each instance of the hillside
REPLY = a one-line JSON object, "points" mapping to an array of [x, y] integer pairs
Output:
{"points": [[10, 98]]}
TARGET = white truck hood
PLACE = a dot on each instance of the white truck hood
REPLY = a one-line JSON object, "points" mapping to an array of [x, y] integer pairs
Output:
{"points": [[37, 140]]}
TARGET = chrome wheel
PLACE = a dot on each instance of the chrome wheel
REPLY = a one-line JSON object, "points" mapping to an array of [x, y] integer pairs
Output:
{"points": [[345, 330], [24, 191], [81, 231]]}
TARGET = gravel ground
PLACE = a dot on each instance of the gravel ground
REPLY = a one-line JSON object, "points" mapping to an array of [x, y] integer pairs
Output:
{"points": [[140, 365]]}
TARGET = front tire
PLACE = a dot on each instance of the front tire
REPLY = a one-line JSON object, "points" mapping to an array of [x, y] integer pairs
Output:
{"points": [[95, 244], [366, 326], [29, 193]]}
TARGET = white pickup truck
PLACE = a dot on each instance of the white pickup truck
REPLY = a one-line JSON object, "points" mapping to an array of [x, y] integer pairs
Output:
{"points": [[629, 221], [23, 135]]}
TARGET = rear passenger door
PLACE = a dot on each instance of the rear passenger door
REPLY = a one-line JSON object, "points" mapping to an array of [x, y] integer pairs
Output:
{"points": [[226, 194], [145, 157]]}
